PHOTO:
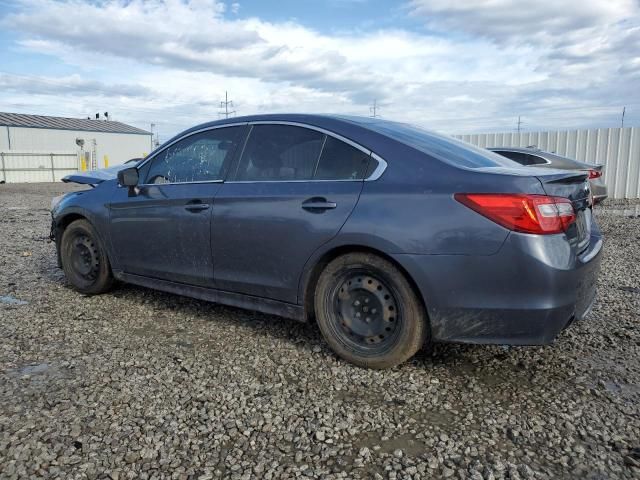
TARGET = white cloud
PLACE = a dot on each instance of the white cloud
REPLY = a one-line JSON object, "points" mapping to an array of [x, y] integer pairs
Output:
{"points": [[515, 20], [499, 59], [192, 36], [71, 84]]}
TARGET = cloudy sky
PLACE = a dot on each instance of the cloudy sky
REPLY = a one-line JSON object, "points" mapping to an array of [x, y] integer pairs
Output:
{"points": [[456, 66]]}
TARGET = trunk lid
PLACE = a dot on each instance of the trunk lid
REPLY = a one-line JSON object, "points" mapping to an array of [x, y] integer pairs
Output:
{"points": [[573, 185]]}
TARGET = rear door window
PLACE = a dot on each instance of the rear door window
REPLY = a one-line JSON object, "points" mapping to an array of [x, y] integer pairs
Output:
{"points": [[287, 153], [280, 153]]}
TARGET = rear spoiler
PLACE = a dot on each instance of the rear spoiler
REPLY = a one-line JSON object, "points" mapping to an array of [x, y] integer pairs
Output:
{"points": [[566, 178], [573, 185]]}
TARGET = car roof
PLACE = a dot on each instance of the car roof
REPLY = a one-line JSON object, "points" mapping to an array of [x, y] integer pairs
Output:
{"points": [[339, 124], [309, 118], [318, 120]]}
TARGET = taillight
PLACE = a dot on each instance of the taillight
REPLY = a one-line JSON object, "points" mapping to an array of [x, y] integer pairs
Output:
{"points": [[539, 214], [594, 174]]}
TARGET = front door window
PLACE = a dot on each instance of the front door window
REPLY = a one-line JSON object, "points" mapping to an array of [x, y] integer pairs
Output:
{"points": [[198, 158]]}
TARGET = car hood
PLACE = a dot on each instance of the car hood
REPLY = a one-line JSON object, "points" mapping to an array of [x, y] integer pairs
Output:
{"points": [[95, 177]]}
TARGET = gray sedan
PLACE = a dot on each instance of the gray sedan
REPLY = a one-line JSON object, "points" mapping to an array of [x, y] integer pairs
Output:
{"points": [[388, 236], [535, 157]]}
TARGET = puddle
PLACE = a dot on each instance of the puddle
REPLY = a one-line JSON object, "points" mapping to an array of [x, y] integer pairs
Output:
{"points": [[610, 375], [40, 374], [8, 300], [31, 369], [601, 363], [621, 388], [407, 443]]}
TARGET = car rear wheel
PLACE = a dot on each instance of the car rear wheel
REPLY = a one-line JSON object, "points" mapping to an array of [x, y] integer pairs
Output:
{"points": [[368, 312], [84, 259]]}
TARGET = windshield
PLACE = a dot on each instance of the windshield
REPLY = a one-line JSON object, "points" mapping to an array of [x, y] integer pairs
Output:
{"points": [[448, 149]]}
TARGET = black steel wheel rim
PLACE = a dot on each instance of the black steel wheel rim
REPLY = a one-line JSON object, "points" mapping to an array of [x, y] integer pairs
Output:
{"points": [[85, 259], [366, 311]]}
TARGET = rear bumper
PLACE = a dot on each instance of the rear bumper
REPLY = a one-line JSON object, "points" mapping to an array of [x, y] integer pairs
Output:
{"points": [[526, 294]]}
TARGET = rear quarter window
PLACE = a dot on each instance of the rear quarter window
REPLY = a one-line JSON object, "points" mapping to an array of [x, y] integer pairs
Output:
{"points": [[340, 161]]}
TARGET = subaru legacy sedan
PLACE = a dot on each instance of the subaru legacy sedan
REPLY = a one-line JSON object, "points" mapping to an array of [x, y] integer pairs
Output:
{"points": [[390, 237]]}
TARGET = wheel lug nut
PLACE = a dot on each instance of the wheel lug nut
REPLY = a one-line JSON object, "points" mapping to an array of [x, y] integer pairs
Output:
{"points": [[373, 310], [356, 303], [357, 314], [368, 320], [366, 300]]}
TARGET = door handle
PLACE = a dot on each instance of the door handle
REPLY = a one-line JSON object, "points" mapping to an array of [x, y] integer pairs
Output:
{"points": [[318, 204], [196, 206]]}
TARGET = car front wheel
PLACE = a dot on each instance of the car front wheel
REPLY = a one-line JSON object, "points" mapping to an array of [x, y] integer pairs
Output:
{"points": [[368, 312], [84, 259]]}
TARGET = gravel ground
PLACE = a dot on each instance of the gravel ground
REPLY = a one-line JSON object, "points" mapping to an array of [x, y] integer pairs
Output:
{"points": [[141, 384]]}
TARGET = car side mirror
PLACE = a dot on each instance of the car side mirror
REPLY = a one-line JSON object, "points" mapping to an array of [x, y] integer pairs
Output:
{"points": [[129, 177]]}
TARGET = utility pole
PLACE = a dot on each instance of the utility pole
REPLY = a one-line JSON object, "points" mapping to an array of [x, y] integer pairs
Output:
{"points": [[226, 104], [622, 122], [374, 109], [152, 127], [519, 124]]}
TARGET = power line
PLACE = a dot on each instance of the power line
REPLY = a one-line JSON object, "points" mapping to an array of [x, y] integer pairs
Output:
{"points": [[226, 104]]}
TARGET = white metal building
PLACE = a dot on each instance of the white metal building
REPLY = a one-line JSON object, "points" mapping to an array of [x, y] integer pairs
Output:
{"points": [[37, 148]]}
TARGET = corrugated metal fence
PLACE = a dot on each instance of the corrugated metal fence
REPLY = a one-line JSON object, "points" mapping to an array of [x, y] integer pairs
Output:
{"points": [[35, 166], [618, 149]]}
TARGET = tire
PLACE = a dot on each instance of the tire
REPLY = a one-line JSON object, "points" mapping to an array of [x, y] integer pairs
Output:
{"points": [[84, 259], [368, 312]]}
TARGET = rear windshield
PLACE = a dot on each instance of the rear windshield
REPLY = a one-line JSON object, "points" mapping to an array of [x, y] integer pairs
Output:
{"points": [[448, 149]]}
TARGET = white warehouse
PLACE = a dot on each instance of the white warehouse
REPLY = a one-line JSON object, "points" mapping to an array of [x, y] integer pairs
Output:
{"points": [[37, 148]]}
